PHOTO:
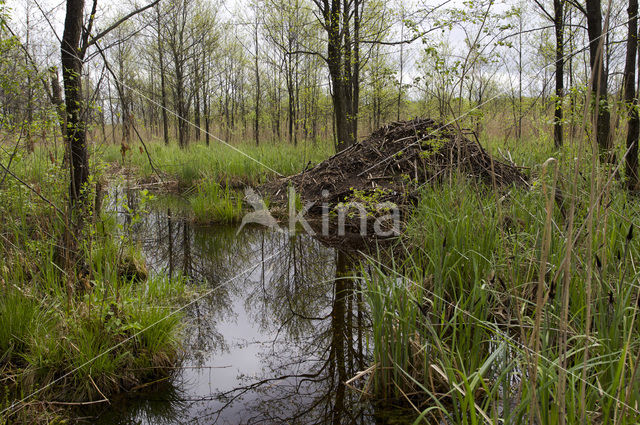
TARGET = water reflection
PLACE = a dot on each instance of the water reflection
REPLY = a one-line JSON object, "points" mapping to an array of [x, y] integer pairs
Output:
{"points": [[274, 345]]}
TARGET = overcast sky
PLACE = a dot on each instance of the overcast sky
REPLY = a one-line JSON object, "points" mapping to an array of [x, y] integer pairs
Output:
{"points": [[47, 17]]}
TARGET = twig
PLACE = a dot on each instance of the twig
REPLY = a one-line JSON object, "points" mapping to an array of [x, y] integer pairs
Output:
{"points": [[80, 403], [98, 389]]}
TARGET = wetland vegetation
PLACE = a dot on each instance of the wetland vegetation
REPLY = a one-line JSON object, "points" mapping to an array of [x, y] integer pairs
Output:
{"points": [[185, 187]]}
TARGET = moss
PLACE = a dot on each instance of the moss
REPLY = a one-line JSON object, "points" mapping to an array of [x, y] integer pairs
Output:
{"points": [[132, 268]]}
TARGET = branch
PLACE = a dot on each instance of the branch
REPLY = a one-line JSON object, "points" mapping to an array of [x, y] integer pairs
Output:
{"points": [[541, 6], [308, 52], [92, 19], [116, 24], [120, 93], [407, 41], [45, 15], [546, 27], [32, 62], [578, 6]]}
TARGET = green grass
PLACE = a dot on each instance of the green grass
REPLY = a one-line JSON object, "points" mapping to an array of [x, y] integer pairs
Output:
{"points": [[220, 162], [90, 321], [212, 202], [21, 318], [474, 319], [42, 341], [211, 177], [454, 317]]}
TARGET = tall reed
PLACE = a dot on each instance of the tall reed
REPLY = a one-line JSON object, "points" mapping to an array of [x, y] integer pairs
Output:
{"points": [[489, 310]]}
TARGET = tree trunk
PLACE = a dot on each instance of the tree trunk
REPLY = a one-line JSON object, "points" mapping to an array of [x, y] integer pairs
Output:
{"points": [[599, 78], [630, 97], [559, 28], [163, 82], [56, 96], [181, 108], [30, 142], [401, 65], [206, 99], [125, 106], [355, 74], [339, 96], [72, 72], [197, 84], [256, 131], [347, 71], [291, 97]]}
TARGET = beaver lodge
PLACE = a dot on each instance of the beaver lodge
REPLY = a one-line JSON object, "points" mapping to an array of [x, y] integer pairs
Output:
{"points": [[392, 164]]}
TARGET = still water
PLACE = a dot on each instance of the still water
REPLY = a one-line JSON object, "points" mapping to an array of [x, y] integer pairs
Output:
{"points": [[274, 345]]}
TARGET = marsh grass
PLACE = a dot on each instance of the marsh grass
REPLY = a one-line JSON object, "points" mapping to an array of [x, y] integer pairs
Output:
{"points": [[211, 177], [215, 202], [477, 323], [74, 337], [219, 162]]}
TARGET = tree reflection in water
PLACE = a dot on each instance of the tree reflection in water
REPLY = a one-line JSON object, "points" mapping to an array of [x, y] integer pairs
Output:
{"points": [[273, 346]]}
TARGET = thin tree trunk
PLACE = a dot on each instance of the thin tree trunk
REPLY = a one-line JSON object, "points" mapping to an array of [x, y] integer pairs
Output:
{"points": [[56, 96], [30, 142], [163, 83], [291, 97], [180, 103], [559, 28], [630, 97], [197, 84], [257, 70], [206, 99], [519, 122], [401, 67], [355, 75]]}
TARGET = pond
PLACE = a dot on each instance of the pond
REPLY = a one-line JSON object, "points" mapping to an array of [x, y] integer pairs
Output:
{"points": [[281, 329]]}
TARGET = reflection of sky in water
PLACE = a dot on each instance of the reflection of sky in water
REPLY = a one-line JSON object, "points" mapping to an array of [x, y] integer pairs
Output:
{"points": [[260, 348]]}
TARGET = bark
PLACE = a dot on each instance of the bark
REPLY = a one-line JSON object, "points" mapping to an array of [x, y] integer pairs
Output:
{"points": [[558, 112], [74, 103], [630, 97], [196, 87], [181, 107], [340, 79], [401, 67], [124, 100], [346, 68], [355, 74], [257, 71], [206, 108], [163, 83], [176, 40], [56, 97], [599, 76], [30, 142], [290, 95]]}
